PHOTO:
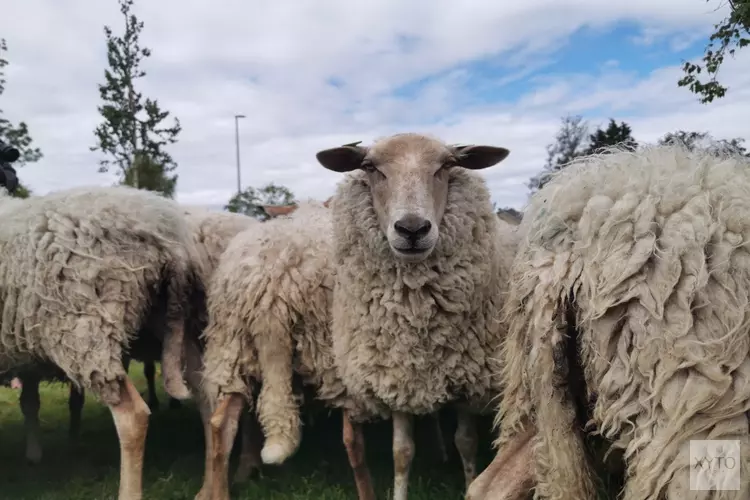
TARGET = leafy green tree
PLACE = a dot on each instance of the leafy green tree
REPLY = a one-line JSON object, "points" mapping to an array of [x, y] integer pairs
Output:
{"points": [[150, 175], [729, 35], [17, 136], [132, 135], [614, 134], [570, 143], [509, 214], [693, 140], [250, 201]]}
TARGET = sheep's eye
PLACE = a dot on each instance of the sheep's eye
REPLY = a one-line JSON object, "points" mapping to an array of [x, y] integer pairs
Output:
{"points": [[368, 166]]}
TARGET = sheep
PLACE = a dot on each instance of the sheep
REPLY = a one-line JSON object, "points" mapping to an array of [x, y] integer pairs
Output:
{"points": [[421, 260], [268, 303], [211, 231], [629, 314], [271, 295], [82, 271], [29, 376]]}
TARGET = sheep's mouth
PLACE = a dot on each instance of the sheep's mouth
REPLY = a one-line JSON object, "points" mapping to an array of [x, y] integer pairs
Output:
{"points": [[412, 252]]}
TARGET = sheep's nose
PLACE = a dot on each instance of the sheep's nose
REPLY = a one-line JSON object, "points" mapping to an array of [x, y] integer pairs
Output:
{"points": [[412, 227]]}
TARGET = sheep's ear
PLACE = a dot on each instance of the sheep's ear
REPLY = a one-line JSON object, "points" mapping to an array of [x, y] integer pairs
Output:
{"points": [[479, 157], [342, 159]]}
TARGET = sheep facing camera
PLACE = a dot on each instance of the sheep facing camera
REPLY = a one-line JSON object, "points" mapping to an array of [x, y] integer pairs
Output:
{"points": [[8, 153]]}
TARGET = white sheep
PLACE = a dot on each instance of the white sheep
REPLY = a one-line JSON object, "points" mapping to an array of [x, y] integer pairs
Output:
{"points": [[421, 263], [82, 272], [630, 312], [269, 306], [211, 232]]}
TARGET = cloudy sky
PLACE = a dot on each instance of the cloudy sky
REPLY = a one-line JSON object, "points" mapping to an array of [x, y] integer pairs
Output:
{"points": [[312, 75]]}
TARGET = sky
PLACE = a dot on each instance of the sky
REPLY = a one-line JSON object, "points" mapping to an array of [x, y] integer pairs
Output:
{"points": [[314, 75]]}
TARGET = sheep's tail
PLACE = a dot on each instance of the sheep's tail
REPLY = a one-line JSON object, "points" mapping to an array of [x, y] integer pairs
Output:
{"points": [[183, 283], [563, 465], [278, 410]]}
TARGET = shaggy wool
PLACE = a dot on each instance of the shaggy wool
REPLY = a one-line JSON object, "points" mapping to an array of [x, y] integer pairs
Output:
{"points": [[411, 337], [269, 317], [83, 270], [644, 257]]}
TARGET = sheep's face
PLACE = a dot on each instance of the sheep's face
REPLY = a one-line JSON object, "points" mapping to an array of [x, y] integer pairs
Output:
{"points": [[408, 175]]}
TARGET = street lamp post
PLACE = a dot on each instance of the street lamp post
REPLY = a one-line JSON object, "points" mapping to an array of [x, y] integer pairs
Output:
{"points": [[237, 147]]}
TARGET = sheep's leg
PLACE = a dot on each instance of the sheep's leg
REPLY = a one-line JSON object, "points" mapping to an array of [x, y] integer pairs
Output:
{"points": [[205, 491], [439, 439], [193, 369], [354, 441], [76, 399], [126, 363], [278, 411], [510, 476], [252, 437], [403, 452], [223, 424], [30, 410], [131, 421], [173, 344], [466, 443], [149, 370]]}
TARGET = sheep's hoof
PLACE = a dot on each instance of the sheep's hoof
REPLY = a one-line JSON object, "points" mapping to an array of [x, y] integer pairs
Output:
{"points": [[34, 457], [203, 494], [245, 474], [275, 453]]}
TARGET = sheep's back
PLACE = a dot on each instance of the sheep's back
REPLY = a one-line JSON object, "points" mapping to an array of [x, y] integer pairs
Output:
{"points": [[80, 269], [649, 250]]}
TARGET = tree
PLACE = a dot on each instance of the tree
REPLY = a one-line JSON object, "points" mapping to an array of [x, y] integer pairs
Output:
{"points": [[570, 143], [508, 214], [132, 134], [250, 201], [693, 140], [613, 135], [16, 135], [729, 35], [150, 175]]}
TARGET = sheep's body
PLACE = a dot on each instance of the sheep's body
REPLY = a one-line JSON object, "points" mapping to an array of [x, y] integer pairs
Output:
{"points": [[420, 276], [269, 318], [643, 257], [81, 269], [82, 272], [413, 337], [212, 232], [269, 309]]}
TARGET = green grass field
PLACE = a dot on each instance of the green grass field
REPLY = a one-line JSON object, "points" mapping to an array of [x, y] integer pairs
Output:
{"points": [[88, 469]]}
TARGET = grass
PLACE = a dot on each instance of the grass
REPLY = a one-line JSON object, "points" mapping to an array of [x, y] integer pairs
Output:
{"points": [[89, 468]]}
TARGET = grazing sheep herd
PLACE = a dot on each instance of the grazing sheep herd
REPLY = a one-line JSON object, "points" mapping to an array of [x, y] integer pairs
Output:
{"points": [[618, 306]]}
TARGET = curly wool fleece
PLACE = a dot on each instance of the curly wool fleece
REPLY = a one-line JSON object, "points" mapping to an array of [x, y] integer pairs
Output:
{"points": [[648, 253], [79, 272], [411, 337]]}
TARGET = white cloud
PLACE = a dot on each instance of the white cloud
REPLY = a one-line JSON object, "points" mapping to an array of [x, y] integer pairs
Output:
{"points": [[272, 62]]}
